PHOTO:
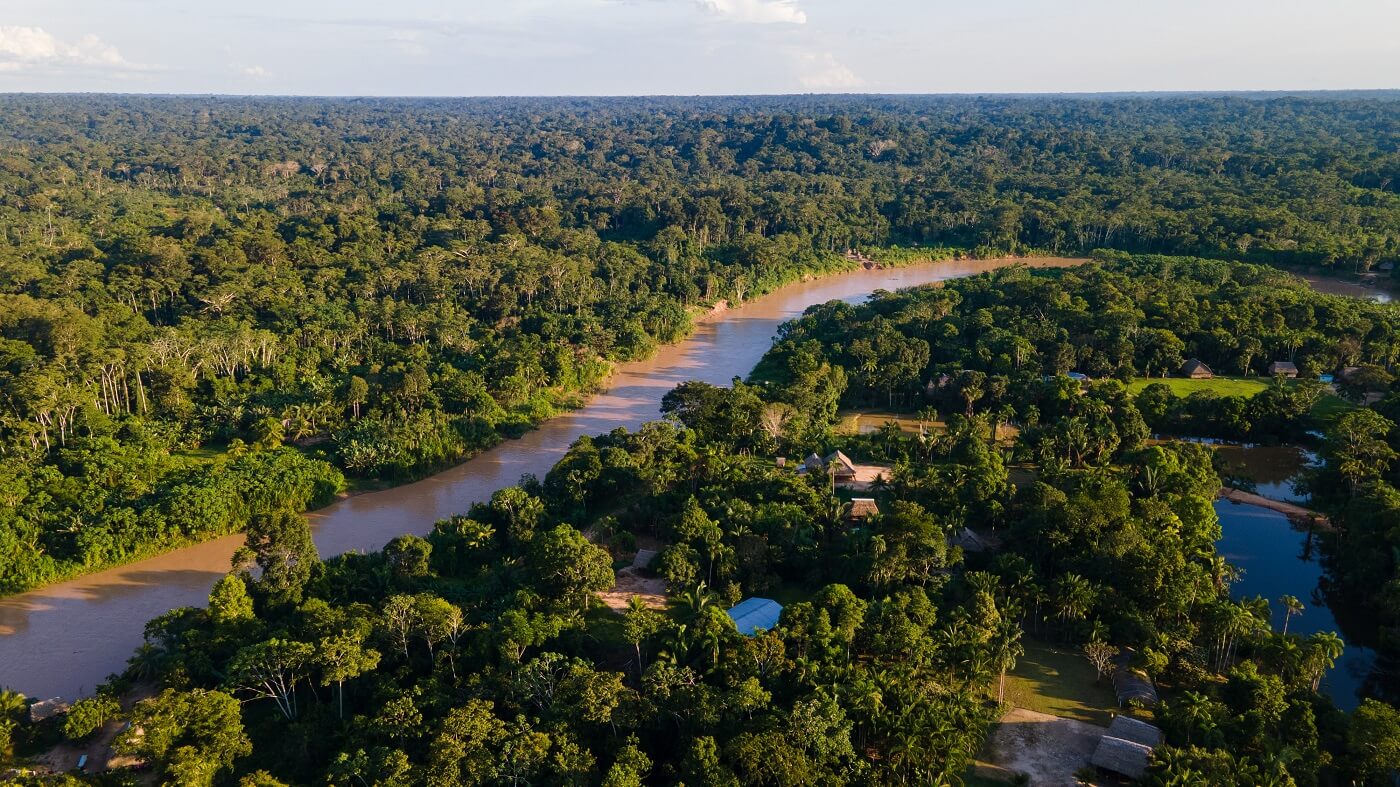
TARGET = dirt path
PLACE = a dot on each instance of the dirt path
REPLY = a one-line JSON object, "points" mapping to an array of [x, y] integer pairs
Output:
{"points": [[1048, 749], [64, 757]]}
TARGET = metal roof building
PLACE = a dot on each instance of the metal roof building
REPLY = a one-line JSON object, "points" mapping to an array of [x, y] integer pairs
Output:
{"points": [[755, 614]]}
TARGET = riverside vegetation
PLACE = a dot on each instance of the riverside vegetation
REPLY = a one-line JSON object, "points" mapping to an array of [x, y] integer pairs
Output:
{"points": [[480, 655], [215, 311], [377, 288]]}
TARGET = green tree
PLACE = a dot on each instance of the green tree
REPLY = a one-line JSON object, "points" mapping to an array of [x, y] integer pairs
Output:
{"points": [[271, 670], [229, 601], [281, 546], [87, 716], [567, 567], [1373, 742], [343, 657], [187, 736]]}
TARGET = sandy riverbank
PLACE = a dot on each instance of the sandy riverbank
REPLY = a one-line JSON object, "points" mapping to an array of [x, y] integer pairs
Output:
{"points": [[1296, 513]]}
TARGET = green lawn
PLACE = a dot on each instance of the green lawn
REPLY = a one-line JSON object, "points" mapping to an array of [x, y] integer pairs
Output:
{"points": [[1059, 681], [1221, 386], [1326, 409]]}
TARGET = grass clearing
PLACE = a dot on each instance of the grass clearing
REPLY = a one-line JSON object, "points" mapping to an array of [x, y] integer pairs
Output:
{"points": [[1061, 682], [868, 421], [1220, 386], [1327, 408]]}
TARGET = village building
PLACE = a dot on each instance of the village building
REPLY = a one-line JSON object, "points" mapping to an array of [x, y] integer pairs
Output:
{"points": [[1121, 757], [1283, 369], [1127, 747], [1196, 369], [755, 614], [840, 467], [46, 709], [862, 508], [1133, 685]]}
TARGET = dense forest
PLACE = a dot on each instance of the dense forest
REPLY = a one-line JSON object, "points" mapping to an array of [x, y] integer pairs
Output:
{"points": [[482, 655], [378, 288], [986, 344]]}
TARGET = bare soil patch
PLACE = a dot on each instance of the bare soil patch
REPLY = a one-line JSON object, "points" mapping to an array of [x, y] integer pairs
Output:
{"points": [[1048, 749], [634, 581]]}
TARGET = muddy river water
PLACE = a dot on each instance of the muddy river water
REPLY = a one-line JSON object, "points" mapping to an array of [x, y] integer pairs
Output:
{"points": [[63, 640]]}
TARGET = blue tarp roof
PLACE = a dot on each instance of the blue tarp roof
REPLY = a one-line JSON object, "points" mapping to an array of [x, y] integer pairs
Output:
{"points": [[753, 614]]}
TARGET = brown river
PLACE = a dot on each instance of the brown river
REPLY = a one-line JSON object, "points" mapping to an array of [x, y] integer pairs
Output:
{"points": [[65, 639]]}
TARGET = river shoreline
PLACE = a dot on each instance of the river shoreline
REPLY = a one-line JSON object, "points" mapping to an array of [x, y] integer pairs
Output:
{"points": [[64, 639], [1295, 513], [570, 402]]}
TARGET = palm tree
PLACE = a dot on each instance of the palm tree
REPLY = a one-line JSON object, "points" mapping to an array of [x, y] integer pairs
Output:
{"points": [[1291, 606], [1006, 648], [1284, 655], [1072, 597], [1223, 574], [1323, 650], [693, 602], [1258, 608], [13, 705], [1196, 709]]}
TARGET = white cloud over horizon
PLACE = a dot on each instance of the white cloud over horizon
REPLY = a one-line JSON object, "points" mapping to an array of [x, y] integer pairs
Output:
{"points": [[821, 71], [759, 12], [630, 47], [23, 47]]}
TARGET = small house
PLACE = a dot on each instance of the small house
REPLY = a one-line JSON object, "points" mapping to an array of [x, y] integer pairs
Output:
{"points": [[862, 508], [755, 614], [1130, 729], [1121, 757], [840, 467], [1133, 685], [1283, 369], [46, 709], [1078, 377], [813, 464], [1127, 747], [1195, 369]]}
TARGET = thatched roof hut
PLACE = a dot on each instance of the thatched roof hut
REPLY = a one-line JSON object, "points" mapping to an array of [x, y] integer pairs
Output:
{"points": [[1196, 369], [1283, 368], [840, 466], [862, 508], [1120, 756], [1132, 684], [1130, 729]]}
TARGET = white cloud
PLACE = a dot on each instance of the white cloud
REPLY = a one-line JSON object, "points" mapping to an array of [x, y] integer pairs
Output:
{"points": [[27, 47], [409, 42], [822, 71], [758, 12], [256, 72]]}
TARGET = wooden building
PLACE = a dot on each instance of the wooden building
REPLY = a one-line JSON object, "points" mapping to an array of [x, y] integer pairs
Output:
{"points": [[1196, 369]]}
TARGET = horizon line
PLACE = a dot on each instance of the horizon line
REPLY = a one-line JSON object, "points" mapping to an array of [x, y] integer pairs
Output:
{"points": [[575, 96]]}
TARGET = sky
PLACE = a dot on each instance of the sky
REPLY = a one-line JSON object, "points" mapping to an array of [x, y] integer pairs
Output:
{"points": [[686, 47]]}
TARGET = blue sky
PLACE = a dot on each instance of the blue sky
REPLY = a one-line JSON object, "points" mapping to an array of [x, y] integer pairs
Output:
{"points": [[610, 47]]}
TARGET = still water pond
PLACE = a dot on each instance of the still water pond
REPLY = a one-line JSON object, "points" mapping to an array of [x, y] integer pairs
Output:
{"points": [[1280, 559]]}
